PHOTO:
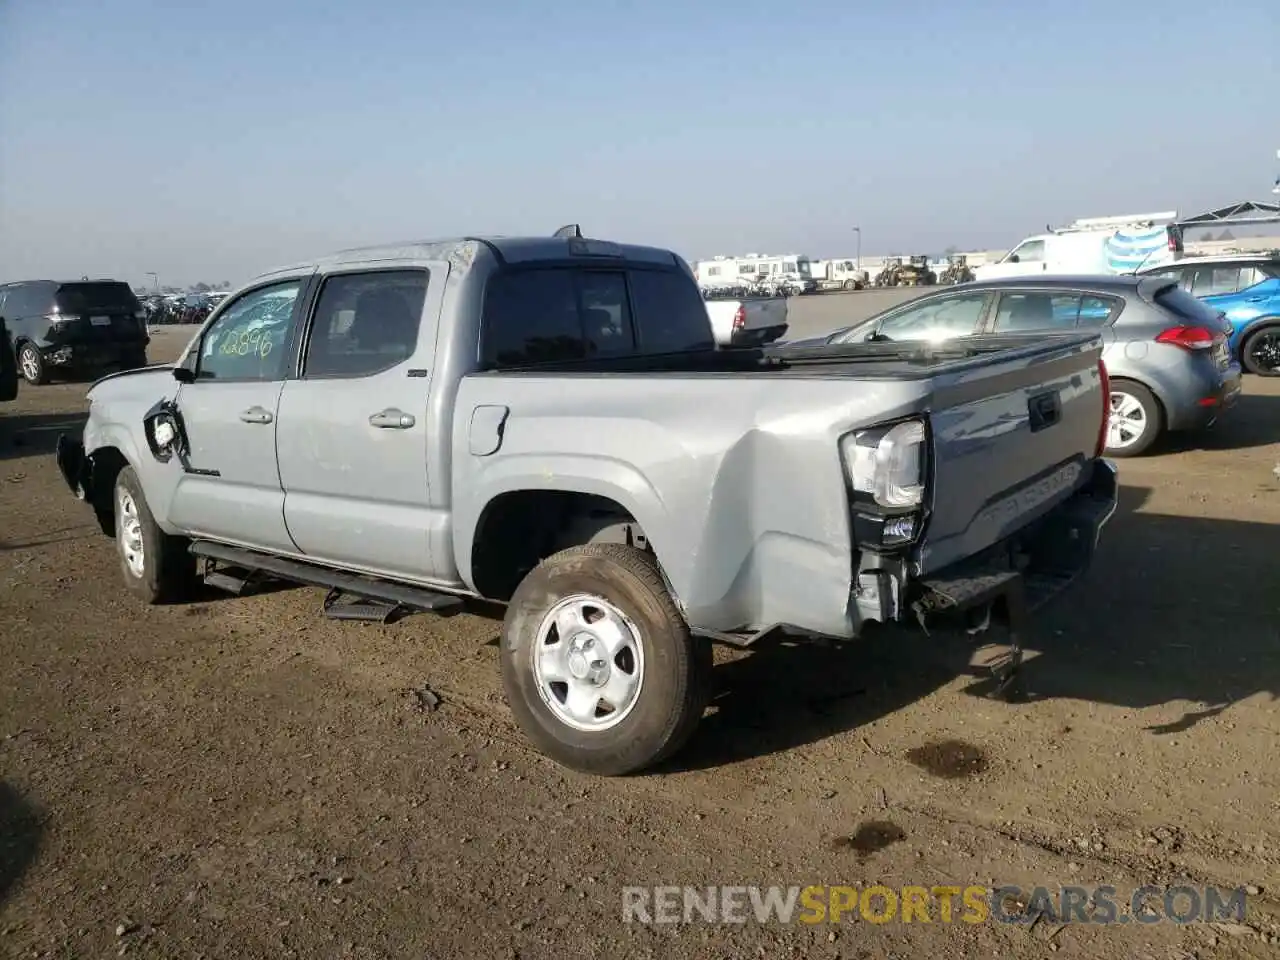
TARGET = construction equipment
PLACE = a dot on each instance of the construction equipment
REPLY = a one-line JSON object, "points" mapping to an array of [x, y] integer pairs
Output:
{"points": [[890, 274], [916, 273], [958, 270]]}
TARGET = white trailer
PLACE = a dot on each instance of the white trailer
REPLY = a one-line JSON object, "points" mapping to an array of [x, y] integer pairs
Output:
{"points": [[791, 270]]}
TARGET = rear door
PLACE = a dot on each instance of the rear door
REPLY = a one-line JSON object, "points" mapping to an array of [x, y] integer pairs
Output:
{"points": [[100, 311], [229, 411], [352, 439]]}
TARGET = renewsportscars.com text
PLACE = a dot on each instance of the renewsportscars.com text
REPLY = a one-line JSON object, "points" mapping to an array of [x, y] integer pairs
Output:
{"points": [[932, 904]]}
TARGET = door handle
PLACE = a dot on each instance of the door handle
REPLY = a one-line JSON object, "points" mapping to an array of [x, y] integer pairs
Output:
{"points": [[392, 419], [256, 415]]}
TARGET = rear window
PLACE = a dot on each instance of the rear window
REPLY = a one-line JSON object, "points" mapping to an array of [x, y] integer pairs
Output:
{"points": [[1186, 307], [560, 313], [96, 297], [671, 316]]}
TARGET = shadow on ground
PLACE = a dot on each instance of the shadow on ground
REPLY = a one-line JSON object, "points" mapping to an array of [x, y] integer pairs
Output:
{"points": [[36, 434], [20, 836], [1175, 609]]}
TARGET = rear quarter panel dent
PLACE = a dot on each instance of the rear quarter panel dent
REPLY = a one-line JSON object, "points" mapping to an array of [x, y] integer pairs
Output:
{"points": [[746, 511]]}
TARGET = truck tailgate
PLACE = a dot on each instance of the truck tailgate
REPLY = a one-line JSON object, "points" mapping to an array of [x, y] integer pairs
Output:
{"points": [[765, 313], [1013, 436]]}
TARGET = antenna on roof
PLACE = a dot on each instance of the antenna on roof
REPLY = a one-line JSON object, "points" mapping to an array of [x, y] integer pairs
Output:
{"points": [[570, 231]]}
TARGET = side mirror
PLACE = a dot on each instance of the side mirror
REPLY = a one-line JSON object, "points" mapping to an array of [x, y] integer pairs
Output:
{"points": [[184, 375], [1015, 259]]}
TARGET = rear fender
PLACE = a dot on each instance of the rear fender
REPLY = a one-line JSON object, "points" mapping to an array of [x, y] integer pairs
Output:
{"points": [[609, 479]]}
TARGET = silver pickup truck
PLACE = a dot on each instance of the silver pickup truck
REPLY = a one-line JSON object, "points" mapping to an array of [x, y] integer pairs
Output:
{"points": [[546, 422]]}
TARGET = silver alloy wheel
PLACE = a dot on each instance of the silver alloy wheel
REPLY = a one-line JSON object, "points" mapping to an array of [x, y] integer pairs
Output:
{"points": [[1127, 421], [130, 533], [30, 364], [588, 663]]}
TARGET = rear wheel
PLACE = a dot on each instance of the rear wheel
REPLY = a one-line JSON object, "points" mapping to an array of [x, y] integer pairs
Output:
{"points": [[599, 666], [1260, 352], [1135, 421], [32, 365]]}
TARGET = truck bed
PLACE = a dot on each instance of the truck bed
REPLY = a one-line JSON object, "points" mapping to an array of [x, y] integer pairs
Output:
{"points": [[731, 463]]}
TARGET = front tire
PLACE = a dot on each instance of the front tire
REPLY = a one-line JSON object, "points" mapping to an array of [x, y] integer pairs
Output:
{"points": [[31, 363], [1136, 420], [1260, 352], [598, 664], [157, 567]]}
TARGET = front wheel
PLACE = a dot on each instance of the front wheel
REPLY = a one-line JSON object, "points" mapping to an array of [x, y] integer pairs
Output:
{"points": [[156, 566], [599, 666], [32, 365], [1135, 421], [1260, 352]]}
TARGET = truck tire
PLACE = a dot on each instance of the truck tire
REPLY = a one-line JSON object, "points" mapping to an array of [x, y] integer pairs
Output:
{"points": [[625, 684], [1136, 419], [32, 365], [157, 567], [1260, 352]]}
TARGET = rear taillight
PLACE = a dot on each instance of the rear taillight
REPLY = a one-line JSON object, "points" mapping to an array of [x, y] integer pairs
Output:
{"points": [[740, 318], [1190, 338], [1106, 409]]}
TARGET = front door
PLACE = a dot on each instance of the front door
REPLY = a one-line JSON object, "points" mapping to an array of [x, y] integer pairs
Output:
{"points": [[353, 441], [230, 413]]}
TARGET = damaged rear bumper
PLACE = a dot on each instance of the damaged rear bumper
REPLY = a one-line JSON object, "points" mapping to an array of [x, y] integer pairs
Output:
{"points": [[1024, 571], [1033, 566]]}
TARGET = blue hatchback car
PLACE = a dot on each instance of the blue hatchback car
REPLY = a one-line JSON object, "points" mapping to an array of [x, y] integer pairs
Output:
{"points": [[1246, 288]]}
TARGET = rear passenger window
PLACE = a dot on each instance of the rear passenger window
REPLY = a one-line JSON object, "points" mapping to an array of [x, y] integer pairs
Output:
{"points": [[1020, 312], [1211, 281], [541, 316], [531, 316], [670, 315], [1094, 311], [365, 323], [1250, 277]]}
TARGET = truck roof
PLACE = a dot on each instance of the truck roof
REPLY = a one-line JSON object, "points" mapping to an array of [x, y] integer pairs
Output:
{"points": [[462, 249]]}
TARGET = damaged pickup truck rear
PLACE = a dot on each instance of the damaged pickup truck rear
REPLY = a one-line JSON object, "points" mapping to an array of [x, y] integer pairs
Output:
{"points": [[547, 423]]}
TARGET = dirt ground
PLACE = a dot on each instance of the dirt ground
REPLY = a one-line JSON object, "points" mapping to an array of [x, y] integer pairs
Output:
{"points": [[243, 778]]}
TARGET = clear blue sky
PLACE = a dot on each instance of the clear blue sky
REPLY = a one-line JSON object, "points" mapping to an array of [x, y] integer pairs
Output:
{"points": [[211, 141]]}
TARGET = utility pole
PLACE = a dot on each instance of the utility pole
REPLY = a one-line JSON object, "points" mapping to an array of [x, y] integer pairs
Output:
{"points": [[858, 253], [154, 279]]}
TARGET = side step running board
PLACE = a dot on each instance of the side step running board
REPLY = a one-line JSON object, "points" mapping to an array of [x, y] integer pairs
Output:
{"points": [[383, 595]]}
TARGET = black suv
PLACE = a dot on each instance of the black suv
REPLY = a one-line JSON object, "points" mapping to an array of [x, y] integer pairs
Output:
{"points": [[80, 326]]}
